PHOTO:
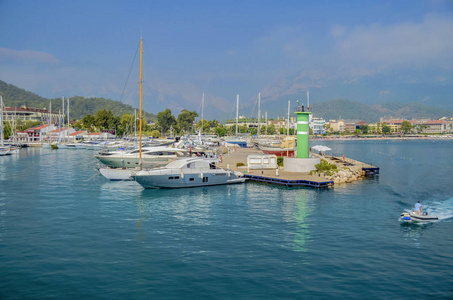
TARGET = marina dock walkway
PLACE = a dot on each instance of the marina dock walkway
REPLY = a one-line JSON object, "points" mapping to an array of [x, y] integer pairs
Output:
{"points": [[239, 155], [282, 177]]}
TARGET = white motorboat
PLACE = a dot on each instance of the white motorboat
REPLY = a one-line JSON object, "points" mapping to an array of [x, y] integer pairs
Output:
{"points": [[151, 157], [187, 172], [117, 174], [4, 151], [416, 216], [89, 145]]}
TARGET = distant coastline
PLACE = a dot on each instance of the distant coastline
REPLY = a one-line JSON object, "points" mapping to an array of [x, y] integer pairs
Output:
{"points": [[356, 138]]}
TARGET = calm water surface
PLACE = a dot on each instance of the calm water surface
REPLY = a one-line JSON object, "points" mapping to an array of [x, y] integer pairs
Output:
{"points": [[66, 232]]}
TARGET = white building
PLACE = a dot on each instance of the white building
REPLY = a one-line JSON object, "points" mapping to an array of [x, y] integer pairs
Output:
{"points": [[317, 125]]}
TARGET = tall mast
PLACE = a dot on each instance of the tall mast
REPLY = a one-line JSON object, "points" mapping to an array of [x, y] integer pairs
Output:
{"points": [[259, 113], [266, 122], [1, 121], [67, 132], [62, 113], [135, 123], [287, 132], [237, 113], [141, 60], [62, 120], [202, 109]]}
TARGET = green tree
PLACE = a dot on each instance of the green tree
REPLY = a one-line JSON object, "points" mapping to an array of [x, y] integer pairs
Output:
{"points": [[103, 119], [220, 130], [231, 129], [88, 122], [205, 124], [165, 120], [243, 128], [406, 126], [77, 125], [127, 123], [364, 129], [421, 127], [7, 131], [186, 119], [155, 133], [28, 124], [214, 124], [271, 129], [378, 128], [385, 128]]}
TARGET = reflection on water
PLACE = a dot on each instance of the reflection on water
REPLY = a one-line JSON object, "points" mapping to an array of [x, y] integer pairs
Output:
{"points": [[414, 231], [302, 233]]}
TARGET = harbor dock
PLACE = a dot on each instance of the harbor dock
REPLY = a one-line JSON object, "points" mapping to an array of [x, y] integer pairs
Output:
{"points": [[236, 160], [279, 176]]}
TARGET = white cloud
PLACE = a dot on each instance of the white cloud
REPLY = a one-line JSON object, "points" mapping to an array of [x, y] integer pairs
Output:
{"points": [[428, 43], [27, 56]]}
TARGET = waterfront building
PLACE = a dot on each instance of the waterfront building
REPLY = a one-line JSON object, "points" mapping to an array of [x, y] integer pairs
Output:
{"points": [[29, 114], [351, 126], [317, 125], [438, 126], [336, 126], [78, 135], [60, 133], [35, 134], [99, 136]]}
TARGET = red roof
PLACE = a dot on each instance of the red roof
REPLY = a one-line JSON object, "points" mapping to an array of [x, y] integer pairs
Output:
{"points": [[59, 129], [94, 133], [39, 127], [361, 123], [434, 122], [395, 121], [28, 109], [77, 133]]}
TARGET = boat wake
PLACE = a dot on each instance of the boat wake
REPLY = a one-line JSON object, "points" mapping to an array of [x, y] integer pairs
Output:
{"points": [[442, 209], [433, 211]]}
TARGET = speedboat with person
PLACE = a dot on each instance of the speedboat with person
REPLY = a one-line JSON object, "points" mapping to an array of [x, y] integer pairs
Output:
{"points": [[187, 172], [417, 216]]}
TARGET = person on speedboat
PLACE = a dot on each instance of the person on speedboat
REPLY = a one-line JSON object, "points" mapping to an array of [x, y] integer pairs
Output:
{"points": [[418, 207]]}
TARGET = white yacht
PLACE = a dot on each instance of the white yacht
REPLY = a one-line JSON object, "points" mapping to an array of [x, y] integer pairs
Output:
{"points": [[117, 174], [89, 145], [187, 172], [152, 157]]}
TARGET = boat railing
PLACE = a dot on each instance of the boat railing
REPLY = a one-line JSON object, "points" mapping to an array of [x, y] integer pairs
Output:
{"points": [[165, 171]]}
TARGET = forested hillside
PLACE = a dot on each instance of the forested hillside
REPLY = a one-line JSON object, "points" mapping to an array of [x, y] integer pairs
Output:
{"points": [[79, 106], [354, 110]]}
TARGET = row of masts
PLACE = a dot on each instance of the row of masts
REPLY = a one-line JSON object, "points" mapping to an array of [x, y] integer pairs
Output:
{"points": [[259, 111]]}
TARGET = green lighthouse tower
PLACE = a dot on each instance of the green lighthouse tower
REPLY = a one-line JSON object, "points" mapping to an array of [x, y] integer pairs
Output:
{"points": [[302, 162], [303, 118]]}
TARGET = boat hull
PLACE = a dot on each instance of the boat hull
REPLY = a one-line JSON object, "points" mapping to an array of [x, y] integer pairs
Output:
{"points": [[132, 162], [417, 217], [174, 181], [117, 174]]}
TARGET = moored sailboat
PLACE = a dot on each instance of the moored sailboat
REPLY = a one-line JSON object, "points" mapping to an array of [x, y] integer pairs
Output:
{"points": [[124, 172]]}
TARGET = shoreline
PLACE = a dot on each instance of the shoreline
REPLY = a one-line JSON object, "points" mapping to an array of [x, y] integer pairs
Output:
{"points": [[354, 138]]}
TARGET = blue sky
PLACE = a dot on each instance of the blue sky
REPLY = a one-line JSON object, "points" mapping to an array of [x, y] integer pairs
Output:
{"points": [[369, 51]]}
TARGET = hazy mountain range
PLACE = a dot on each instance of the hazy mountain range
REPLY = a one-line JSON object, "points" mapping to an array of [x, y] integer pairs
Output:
{"points": [[278, 106]]}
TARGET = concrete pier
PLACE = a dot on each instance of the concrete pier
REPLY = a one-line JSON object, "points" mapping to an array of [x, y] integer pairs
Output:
{"points": [[289, 178], [279, 176]]}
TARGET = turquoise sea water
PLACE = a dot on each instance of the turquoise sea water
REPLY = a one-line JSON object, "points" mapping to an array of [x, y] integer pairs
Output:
{"points": [[67, 233]]}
